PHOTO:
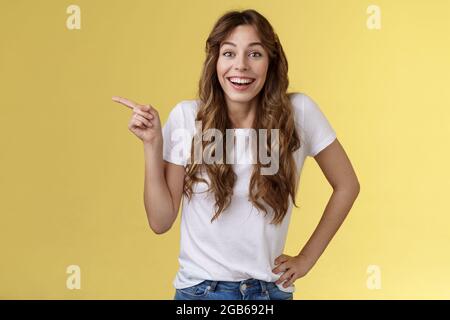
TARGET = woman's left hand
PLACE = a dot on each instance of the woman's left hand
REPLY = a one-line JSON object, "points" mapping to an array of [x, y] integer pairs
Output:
{"points": [[293, 268]]}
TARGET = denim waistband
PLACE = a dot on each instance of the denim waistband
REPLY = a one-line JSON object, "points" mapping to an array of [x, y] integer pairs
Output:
{"points": [[243, 285]]}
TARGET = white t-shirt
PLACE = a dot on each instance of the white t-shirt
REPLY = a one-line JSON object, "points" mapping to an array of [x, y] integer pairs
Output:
{"points": [[241, 243]]}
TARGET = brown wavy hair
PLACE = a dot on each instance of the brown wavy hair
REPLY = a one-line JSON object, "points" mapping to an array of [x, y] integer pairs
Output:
{"points": [[274, 112]]}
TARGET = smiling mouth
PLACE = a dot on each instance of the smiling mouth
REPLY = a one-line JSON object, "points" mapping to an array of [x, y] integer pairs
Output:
{"points": [[240, 85]]}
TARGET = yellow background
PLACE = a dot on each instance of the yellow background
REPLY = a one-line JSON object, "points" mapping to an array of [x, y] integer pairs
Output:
{"points": [[72, 174]]}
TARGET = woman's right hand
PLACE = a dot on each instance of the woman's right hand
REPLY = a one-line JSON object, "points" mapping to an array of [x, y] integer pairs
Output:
{"points": [[144, 122]]}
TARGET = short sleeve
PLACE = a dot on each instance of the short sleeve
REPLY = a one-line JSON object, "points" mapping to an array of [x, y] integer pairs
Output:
{"points": [[317, 129], [177, 137]]}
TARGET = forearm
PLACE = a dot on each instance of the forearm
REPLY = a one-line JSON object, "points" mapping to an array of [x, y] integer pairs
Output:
{"points": [[339, 205], [157, 198]]}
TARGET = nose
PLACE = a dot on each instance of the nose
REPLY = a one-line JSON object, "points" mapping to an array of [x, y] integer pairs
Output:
{"points": [[241, 64], [240, 68]]}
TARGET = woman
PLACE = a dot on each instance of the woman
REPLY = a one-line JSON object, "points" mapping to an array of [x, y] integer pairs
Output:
{"points": [[235, 218]]}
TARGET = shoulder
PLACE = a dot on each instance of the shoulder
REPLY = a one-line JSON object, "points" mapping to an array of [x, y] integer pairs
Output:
{"points": [[295, 97], [305, 107], [301, 101], [184, 112], [298, 105], [186, 107], [314, 125]]}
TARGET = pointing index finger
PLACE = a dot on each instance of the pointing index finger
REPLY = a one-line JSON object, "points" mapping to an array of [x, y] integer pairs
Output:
{"points": [[130, 104]]}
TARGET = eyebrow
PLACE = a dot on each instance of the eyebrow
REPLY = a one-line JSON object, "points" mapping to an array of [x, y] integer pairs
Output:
{"points": [[250, 44]]}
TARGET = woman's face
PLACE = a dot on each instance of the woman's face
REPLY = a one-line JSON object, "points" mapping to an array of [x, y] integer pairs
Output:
{"points": [[242, 59]]}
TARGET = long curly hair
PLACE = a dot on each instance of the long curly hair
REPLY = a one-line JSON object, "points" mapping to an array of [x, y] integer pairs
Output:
{"points": [[274, 111]]}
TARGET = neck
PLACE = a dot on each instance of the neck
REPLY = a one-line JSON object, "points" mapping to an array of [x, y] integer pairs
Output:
{"points": [[242, 114]]}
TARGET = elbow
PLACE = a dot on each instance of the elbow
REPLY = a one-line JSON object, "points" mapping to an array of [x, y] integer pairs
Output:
{"points": [[349, 188], [357, 188], [160, 222], [159, 228]]}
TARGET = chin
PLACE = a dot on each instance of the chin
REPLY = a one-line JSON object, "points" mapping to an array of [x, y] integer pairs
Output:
{"points": [[242, 96]]}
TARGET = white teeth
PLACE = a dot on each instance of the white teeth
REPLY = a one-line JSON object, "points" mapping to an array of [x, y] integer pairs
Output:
{"points": [[239, 80]]}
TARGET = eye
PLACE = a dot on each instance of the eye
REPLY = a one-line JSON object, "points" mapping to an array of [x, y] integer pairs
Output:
{"points": [[253, 54]]}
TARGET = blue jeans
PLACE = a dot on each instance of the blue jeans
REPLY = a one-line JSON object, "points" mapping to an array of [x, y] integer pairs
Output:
{"points": [[250, 289]]}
